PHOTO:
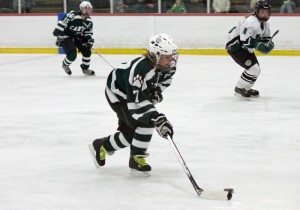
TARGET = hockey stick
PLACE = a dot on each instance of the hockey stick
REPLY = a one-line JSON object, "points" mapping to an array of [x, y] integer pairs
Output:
{"points": [[215, 195], [275, 33], [95, 51]]}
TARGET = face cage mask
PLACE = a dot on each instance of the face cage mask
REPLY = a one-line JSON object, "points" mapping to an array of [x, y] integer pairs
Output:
{"points": [[172, 64]]}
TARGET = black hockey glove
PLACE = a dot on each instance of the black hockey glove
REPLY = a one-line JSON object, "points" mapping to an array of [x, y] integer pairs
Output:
{"points": [[59, 41], [156, 97], [89, 44], [265, 47], [162, 125]]}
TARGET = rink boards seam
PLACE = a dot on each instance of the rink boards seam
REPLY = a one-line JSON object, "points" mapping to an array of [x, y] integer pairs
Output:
{"points": [[125, 51]]}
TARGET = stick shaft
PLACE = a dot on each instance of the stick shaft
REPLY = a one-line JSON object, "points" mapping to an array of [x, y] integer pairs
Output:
{"points": [[215, 195], [275, 33], [184, 166], [103, 58]]}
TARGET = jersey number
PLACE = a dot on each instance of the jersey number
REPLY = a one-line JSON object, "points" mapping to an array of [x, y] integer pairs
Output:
{"points": [[136, 95]]}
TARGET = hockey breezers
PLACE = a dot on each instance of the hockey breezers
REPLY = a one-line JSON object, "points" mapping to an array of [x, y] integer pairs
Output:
{"points": [[214, 195]]}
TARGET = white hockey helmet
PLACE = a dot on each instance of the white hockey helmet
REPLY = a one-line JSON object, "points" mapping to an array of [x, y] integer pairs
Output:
{"points": [[163, 44], [85, 5]]}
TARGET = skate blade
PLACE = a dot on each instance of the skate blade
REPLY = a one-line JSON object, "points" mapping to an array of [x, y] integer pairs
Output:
{"points": [[89, 75], [136, 173], [242, 97], [92, 151]]}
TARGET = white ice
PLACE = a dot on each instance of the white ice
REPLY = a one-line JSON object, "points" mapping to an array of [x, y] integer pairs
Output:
{"points": [[48, 119]]}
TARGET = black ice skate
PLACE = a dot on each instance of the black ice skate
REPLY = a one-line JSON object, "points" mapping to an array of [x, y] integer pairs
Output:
{"points": [[254, 93], [138, 165], [87, 72], [98, 152], [241, 92], [67, 69]]}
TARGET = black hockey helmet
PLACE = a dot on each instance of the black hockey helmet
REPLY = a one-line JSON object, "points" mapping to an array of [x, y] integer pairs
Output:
{"points": [[262, 4]]}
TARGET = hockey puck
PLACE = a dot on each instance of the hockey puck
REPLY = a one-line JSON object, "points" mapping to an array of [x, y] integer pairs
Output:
{"points": [[230, 190]]}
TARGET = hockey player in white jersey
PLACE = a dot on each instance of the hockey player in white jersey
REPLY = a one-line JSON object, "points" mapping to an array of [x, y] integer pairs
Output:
{"points": [[251, 33]]}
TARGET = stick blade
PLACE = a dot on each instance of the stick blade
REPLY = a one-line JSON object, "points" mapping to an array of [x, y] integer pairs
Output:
{"points": [[216, 195]]}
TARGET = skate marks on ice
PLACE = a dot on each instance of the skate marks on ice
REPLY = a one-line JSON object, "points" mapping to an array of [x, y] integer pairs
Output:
{"points": [[49, 118]]}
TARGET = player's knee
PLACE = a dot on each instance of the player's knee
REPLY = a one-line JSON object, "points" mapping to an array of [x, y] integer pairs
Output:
{"points": [[86, 53], [72, 56], [254, 70], [126, 131], [128, 134]]}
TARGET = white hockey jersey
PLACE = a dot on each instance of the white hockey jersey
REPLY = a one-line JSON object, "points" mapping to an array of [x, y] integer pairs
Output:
{"points": [[247, 33]]}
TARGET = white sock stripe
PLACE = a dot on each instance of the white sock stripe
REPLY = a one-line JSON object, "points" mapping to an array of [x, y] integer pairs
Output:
{"points": [[249, 80], [86, 58], [246, 79], [113, 142], [123, 140], [144, 131], [140, 144], [67, 61], [86, 63], [249, 75]]}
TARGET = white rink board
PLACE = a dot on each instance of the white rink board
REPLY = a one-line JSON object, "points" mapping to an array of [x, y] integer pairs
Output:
{"points": [[133, 31]]}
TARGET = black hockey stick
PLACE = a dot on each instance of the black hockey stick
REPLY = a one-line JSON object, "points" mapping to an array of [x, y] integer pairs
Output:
{"points": [[275, 33], [215, 195], [103, 58]]}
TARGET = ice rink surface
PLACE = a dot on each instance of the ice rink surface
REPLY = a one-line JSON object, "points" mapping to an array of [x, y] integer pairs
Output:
{"points": [[48, 118]]}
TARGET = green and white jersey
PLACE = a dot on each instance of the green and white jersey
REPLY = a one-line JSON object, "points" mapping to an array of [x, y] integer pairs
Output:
{"points": [[133, 82], [247, 33], [72, 25]]}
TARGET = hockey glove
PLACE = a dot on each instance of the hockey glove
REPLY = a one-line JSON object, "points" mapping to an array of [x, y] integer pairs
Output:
{"points": [[89, 44], [59, 40], [58, 43], [162, 125], [156, 97], [265, 47]]}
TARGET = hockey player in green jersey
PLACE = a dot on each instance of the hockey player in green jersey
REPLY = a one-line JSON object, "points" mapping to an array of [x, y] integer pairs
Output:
{"points": [[252, 32], [75, 30], [132, 92]]}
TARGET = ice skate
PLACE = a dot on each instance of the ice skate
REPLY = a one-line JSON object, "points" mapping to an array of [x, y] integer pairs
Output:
{"points": [[241, 93], [98, 152], [67, 69], [87, 72], [139, 166], [254, 93]]}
